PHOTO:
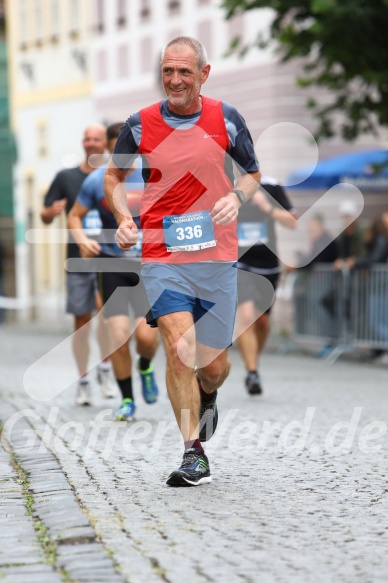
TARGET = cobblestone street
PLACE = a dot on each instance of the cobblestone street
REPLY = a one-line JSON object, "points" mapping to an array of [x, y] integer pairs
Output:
{"points": [[299, 490]]}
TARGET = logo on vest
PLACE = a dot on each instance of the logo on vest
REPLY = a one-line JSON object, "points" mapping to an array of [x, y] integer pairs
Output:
{"points": [[211, 135]]}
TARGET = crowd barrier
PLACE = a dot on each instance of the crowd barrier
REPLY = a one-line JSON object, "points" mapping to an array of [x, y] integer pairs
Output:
{"points": [[344, 309]]}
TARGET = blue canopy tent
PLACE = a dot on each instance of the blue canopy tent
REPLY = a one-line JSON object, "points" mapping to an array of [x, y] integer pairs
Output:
{"points": [[367, 170]]}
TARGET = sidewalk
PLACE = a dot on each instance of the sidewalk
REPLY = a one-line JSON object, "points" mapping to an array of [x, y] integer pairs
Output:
{"points": [[299, 491]]}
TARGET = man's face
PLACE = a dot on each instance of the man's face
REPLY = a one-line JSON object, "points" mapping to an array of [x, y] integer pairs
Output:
{"points": [[182, 79], [94, 141]]}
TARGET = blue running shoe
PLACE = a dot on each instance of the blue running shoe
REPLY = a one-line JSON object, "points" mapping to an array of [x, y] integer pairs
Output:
{"points": [[149, 387], [126, 412], [194, 470]]}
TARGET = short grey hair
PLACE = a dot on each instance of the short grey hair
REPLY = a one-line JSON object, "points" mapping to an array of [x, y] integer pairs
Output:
{"points": [[193, 43]]}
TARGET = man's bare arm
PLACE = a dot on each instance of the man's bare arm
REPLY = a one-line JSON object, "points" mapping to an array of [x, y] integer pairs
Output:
{"points": [[225, 210], [48, 213], [276, 212], [116, 192], [88, 247], [116, 195]]}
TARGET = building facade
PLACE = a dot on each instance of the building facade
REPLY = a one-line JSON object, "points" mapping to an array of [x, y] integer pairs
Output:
{"points": [[51, 103], [73, 62]]}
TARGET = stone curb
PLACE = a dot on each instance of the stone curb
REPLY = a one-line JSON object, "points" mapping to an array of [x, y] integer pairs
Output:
{"points": [[79, 556]]}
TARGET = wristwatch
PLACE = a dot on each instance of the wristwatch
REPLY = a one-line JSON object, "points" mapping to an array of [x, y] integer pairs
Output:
{"points": [[240, 195]]}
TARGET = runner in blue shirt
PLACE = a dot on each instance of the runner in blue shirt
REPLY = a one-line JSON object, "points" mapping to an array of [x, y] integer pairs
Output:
{"points": [[119, 289]]}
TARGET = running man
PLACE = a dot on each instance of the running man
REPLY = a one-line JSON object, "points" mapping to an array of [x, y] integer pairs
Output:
{"points": [[82, 292], [119, 290], [256, 220], [188, 216]]}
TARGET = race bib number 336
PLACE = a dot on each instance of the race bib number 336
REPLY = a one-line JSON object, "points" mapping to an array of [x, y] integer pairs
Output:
{"points": [[188, 232]]}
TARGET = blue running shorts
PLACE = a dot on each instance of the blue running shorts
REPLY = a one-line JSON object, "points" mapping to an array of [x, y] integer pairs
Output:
{"points": [[207, 290]]}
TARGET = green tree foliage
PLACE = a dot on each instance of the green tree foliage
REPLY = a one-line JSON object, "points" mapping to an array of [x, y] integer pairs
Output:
{"points": [[344, 47]]}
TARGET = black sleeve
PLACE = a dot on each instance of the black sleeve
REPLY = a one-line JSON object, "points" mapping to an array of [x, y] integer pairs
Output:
{"points": [[126, 150], [278, 194], [241, 149], [55, 192]]}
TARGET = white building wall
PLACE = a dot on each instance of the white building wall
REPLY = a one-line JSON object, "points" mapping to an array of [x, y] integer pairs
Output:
{"points": [[66, 80], [40, 271], [51, 104]]}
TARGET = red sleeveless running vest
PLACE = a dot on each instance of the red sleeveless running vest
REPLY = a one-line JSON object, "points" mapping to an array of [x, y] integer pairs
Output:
{"points": [[186, 175]]}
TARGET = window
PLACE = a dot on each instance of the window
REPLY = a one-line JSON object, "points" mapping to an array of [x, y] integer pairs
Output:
{"points": [[39, 22], [121, 13], [146, 60], [54, 18], [102, 69], [205, 36], [23, 19], [174, 7], [42, 137], [122, 61], [74, 16], [145, 10], [100, 15]]}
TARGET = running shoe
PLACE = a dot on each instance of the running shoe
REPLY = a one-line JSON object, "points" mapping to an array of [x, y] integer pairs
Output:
{"points": [[208, 418], [252, 383], [325, 351], [83, 397], [149, 388], [126, 411], [194, 470], [107, 384]]}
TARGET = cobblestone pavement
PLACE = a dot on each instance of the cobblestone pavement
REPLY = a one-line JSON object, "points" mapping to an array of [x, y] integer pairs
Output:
{"points": [[299, 491]]}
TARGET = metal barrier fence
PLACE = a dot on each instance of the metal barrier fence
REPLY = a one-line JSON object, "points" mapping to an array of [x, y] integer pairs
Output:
{"points": [[345, 309]]}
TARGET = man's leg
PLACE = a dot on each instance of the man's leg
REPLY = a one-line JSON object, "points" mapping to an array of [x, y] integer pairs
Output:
{"points": [[178, 336], [263, 328], [147, 341], [102, 331], [81, 303], [253, 333], [210, 377], [213, 375], [80, 342], [119, 330], [104, 375], [248, 341]]}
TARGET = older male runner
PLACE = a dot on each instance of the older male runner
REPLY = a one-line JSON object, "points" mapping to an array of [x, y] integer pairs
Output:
{"points": [[188, 216]]}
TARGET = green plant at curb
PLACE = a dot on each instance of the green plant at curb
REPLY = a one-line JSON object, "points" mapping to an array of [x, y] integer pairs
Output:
{"points": [[66, 577], [48, 546], [29, 503]]}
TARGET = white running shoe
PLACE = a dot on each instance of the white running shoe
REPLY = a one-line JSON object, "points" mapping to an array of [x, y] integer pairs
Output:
{"points": [[107, 384], [83, 397]]}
